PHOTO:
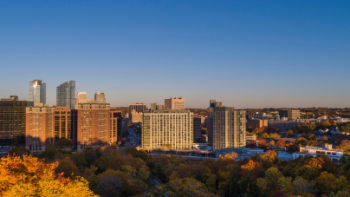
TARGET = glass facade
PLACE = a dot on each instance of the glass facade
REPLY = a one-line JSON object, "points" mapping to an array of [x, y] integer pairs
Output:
{"points": [[37, 91], [65, 95]]}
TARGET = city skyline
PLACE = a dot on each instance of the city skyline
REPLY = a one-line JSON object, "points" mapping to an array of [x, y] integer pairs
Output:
{"points": [[245, 54]]}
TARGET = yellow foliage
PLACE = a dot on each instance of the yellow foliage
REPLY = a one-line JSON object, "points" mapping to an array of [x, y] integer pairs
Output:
{"points": [[32, 177]]}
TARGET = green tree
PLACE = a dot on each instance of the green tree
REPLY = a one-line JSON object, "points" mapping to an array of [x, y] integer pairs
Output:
{"points": [[285, 184], [343, 193], [264, 135], [186, 187], [301, 141], [261, 184], [326, 183], [68, 168], [301, 186], [272, 175]]}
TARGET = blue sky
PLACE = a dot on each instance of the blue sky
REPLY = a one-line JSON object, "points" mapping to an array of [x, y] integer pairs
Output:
{"points": [[247, 54]]}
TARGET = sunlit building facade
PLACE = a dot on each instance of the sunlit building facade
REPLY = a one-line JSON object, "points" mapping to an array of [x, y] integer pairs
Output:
{"points": [[93, 122], [167, 129], [229, 129]]}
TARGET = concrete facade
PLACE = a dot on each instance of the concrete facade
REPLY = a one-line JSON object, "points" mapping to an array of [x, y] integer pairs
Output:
{"points": [[176, 103], [229, 129], [257, 123], [135, 117], [171, 129]]}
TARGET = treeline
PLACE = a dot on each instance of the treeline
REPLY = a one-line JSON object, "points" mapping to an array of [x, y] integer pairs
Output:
{"points": [[261, 175], [131, 172]]}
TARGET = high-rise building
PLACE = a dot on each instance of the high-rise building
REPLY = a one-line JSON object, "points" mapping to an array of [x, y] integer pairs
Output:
{"points": [[160, 107], [197, 134], [12, 122], [135, 117], [115, 133], [46, 124], [93, 126], [291, 114], [213, 103], [154, 106], [175, 103], [63, 124], [138, 107], [39, 127], [229, 129], [171, 129], [81, 98], [65, 95], [100, 97], [37, 91]]}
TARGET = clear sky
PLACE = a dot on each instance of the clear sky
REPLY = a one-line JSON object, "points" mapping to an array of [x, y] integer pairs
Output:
{"points": [[247, 54]]}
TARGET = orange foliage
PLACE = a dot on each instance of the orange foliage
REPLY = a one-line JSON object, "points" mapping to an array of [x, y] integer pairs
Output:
{"points": [[251, 165], [316, 163], [32, 177]]}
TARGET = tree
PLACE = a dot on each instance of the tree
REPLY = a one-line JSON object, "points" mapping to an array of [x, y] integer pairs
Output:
{"points": [[110, 186], [345, 143], [272, 175], [326, 182], [274, 135], [261, 184], [301, 141], [19, 151], [64, 143], [251, 144], [67, 167], [286, 185], [31, 177], [311, 136], [344, 193], [186, 187], [301, 186], [290, 133], [264, 135], [281, 143], [272, 143], [324, 138]]}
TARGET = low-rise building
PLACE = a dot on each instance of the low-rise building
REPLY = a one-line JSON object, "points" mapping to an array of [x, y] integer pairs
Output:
{"points": [[135, 117], [333, 154], [250, 137], [257, 123]]}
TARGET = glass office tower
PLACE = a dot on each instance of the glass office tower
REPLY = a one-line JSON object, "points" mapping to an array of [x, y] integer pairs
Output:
{"points": [[65, 95], [37, 91]]}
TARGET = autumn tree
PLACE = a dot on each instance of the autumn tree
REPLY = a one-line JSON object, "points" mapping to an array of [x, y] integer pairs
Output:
{"points": [[281, 143], [301, 141], [290, 133], [345, 144], [32, 177]]}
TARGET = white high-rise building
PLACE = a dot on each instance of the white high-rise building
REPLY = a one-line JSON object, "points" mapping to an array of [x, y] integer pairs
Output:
{"points": [[169, 129]]}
